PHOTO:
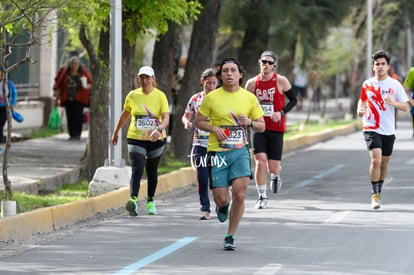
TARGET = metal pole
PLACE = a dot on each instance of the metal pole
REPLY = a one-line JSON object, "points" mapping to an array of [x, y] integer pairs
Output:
{"points": [[369, 37], [336, 95], [409, 44], [115, 152]]}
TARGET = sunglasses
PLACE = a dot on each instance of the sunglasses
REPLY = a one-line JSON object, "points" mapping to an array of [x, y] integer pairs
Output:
{"points": [[267, 62]]}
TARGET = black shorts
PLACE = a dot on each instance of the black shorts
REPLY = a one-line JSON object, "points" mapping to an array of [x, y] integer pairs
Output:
{"points": [[375, 140], [269, 142]]}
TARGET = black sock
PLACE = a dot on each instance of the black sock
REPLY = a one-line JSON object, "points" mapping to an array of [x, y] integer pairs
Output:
{"points": [[375, 187], [380, 183]]}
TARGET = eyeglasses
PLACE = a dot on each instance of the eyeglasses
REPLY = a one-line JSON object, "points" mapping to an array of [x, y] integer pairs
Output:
{"points": [[267, 62]]}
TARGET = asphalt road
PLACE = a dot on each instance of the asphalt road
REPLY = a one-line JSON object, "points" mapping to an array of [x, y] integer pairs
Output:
{"points": [[320, 223]]}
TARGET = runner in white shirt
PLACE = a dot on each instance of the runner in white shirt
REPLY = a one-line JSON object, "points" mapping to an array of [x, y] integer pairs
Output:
{"points": [[380, 96]]}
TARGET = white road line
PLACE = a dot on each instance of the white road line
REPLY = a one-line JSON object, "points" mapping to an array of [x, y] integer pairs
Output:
{"points": [[410, 162], [337, 217], [319, 176], [269, 269]]}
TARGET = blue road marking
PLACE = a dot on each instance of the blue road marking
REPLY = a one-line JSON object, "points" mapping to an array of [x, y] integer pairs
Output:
{"points": [[156, 256], [319, 176]]}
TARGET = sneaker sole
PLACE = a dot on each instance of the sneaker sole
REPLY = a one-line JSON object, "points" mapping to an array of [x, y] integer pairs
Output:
{"points": [[230, 248], [152, 212], [130, 206]]}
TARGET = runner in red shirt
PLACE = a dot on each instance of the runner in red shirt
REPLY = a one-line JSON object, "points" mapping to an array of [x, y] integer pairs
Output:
{"points": [[270, 89]]}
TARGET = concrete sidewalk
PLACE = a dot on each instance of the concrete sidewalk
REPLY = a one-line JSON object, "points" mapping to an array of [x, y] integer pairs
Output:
{"points": [[44, 164]]}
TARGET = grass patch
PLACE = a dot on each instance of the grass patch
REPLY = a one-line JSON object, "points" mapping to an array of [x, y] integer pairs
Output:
{"points": [[315, 127], [170, 164], [67, 193], [76, 191], [43, 133]]}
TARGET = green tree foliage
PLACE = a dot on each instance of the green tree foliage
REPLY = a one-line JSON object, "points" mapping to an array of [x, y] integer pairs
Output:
{"points": [[293, 24], [92, 26], [16, 17]]}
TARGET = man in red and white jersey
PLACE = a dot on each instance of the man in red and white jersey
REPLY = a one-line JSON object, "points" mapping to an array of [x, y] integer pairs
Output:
{"points": [[380, 96]]}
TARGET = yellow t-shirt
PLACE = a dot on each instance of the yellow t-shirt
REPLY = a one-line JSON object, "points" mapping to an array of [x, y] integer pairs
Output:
{"points": [[223, 108], [146, 112]]}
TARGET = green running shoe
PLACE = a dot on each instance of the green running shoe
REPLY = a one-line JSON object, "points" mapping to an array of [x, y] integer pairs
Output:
{"points": [[228, 243], [132, 207], [151, 210]]}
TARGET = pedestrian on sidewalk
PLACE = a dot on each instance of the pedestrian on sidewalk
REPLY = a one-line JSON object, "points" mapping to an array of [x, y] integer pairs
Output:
{"points": [[230, 110], [409, 88], [72, 85], [380, 96], [270, 89], [199, 151], [147, 110], [300, 85], [12, 98]]}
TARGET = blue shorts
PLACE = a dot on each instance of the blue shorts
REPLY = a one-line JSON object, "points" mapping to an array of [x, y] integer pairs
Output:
{"points": [[228, 165]]}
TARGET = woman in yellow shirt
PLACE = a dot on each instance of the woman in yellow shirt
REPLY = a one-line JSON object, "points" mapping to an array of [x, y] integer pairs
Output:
{"points": [[148, 112]]}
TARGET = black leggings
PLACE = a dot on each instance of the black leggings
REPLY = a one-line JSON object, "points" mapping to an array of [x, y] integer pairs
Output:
{"points": [[3, 119], [74, 115], [148, 154]]}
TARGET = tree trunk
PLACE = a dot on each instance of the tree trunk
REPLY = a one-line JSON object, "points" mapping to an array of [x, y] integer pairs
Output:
{"points": [[164, 56], [256, 38], [99, 114], [8, 194], [200, 57], [164, 63], [128, 71]]}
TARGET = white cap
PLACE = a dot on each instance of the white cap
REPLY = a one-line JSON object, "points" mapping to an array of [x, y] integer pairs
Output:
{"points": [[147, 70]]}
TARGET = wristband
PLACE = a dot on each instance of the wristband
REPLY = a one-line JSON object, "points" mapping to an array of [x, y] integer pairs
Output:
{"points": [[159, 129]]}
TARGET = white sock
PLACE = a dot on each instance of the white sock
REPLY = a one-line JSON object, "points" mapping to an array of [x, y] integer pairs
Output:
{"points": [[261, 189]]}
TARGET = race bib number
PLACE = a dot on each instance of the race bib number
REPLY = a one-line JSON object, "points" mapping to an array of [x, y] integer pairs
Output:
{"points": [[267, 108], [235, 136], [145, 123]]}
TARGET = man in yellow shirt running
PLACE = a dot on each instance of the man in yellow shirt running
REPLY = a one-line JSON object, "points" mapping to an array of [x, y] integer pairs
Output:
{"points": [[231, 109]]}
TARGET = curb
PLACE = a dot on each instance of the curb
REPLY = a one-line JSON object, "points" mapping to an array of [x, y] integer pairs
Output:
{"points": [[302, 141], [46, 220]]}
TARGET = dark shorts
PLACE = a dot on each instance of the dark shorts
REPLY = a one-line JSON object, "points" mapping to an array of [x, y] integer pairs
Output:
{"points": [[375, 140], [269, 142]]}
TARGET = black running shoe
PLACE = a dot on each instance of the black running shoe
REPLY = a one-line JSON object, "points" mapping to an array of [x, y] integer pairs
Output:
{"points": [[229, 243], [222, 212], [276, 184]]}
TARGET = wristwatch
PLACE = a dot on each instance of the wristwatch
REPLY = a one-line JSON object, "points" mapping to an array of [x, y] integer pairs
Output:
{"points": [[159, 129], [252, 123]]}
